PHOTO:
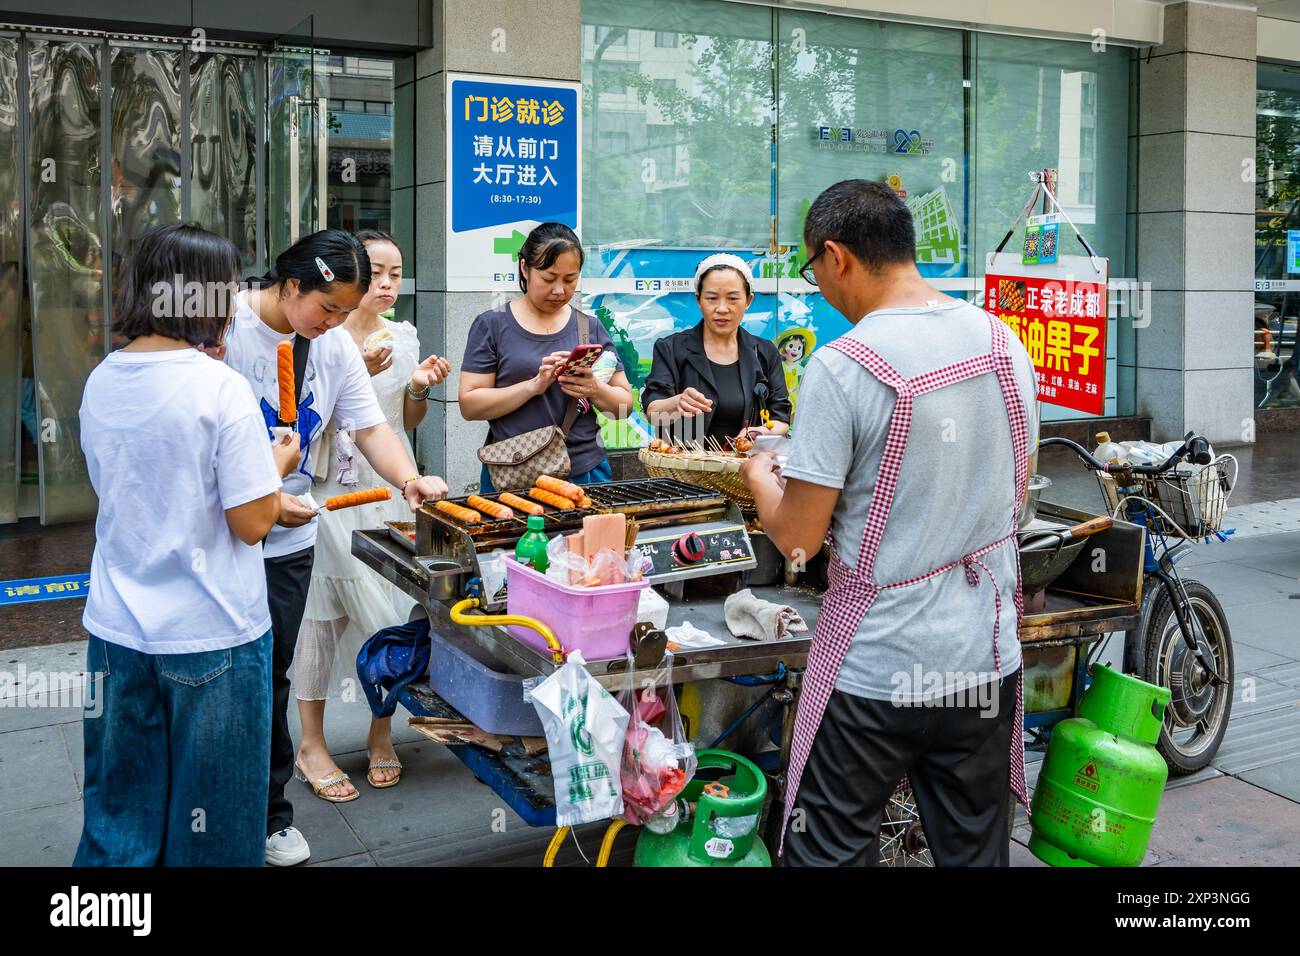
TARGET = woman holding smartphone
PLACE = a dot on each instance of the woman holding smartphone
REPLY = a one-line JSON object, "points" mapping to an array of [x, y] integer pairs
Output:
{"points": [[517, 374]]}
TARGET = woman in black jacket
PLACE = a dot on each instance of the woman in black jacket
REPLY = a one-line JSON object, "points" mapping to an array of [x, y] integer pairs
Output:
{"points": [[716, 379]]}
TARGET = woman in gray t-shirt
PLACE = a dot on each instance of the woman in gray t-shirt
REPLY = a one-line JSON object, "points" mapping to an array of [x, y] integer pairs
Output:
{"points": [[508, 376]]}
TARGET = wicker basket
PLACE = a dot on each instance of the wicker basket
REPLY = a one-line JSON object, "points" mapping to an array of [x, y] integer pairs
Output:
{"points": [[720, 473]]}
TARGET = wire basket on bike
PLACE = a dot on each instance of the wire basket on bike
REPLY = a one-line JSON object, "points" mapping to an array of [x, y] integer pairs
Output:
{"points": [[1190, 501]]}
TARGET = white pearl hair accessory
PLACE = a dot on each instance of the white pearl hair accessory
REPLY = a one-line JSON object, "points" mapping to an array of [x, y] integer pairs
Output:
{"points": [[723, 259]]}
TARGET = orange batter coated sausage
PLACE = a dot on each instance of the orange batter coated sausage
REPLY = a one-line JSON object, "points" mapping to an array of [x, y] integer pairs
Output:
{"points": [[479, 503], [552, 499], [288, 388], [459, 512], [354, 498], [522, 504], [566, 488]]}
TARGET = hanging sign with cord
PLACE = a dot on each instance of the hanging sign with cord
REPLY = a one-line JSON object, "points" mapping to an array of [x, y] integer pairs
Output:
{"points": [[1057, 307]]}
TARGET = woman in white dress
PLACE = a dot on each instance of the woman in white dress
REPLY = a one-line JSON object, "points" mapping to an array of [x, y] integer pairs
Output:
{"points": [[347, 601]]}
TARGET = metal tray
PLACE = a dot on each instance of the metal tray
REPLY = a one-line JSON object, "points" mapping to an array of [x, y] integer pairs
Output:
{"points": [[397, 531]]}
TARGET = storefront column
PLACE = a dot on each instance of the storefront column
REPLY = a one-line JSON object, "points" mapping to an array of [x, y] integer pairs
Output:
{"points": [[514, 38], [1196, 153]]}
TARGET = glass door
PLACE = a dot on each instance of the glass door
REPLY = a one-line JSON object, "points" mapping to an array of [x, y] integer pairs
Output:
{"points": [[297, 98], [11, 284]]}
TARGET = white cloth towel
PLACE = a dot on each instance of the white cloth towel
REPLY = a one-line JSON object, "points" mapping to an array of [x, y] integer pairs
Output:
{"points": [[752, 617]]}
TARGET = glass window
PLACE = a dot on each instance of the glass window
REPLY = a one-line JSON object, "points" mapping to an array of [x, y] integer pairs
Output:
{"points": [[712, 88], [223, 149], [360, 145], [1277, 235], [67, 260], [14, 378], [666, 41]]}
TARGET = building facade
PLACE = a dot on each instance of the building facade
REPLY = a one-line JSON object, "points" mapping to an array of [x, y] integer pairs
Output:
{"points": [[1173, 130]]}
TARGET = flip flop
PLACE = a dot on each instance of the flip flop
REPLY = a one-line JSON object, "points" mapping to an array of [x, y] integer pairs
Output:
{"points": [[384, 764], [325, 782]]}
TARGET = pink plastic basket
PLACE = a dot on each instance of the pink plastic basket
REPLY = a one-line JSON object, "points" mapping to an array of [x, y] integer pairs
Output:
{"points": [[596, 621]]}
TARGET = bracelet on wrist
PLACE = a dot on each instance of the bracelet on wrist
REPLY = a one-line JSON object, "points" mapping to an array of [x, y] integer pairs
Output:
{"points": [[422, 397], [408, 481]]}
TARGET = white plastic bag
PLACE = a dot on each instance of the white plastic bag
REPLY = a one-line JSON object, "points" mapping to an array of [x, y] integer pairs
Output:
{"points": [[584, 728]]}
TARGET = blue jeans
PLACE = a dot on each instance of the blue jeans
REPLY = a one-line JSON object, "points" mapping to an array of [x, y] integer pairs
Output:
{"points": [[178, 757], [600, 473]]}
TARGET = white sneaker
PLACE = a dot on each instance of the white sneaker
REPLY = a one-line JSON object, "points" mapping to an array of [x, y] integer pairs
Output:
{"points": [[286, 847]]}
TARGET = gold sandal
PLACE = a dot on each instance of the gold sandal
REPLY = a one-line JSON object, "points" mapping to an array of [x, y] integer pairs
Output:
{"points": [[384, 764], [325, 782]]}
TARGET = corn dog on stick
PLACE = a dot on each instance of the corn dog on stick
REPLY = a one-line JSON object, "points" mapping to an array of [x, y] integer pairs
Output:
{"points": [[288, 388], [357, 498]]}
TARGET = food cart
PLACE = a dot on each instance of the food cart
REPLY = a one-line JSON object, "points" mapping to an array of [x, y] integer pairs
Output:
{"points": [[478, 667]]}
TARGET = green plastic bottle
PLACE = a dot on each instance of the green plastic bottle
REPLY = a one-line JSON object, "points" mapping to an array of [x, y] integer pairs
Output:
{"points": [[531, 549]]}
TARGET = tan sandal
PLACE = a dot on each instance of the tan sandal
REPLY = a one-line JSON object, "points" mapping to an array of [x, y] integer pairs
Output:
{"points": [[325, 782], [385, 763]]}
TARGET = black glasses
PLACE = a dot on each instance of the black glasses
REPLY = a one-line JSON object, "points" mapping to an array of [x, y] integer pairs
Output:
{"points": [[805, 270]]}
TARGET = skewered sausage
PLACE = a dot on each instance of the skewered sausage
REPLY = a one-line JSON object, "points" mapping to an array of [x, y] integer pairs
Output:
{"points": [[479, 503], [522, 504], [552, 499], [354, 498], [288, 388], [459, 512], [566, 489]]}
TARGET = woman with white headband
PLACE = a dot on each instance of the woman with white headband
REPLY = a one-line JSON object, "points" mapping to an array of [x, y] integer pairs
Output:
{"points": [[716, 379]]}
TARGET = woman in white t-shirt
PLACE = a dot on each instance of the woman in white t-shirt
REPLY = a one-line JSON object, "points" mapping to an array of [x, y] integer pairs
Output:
{"points": [[179, 653], [347, 601], [304, 300]]}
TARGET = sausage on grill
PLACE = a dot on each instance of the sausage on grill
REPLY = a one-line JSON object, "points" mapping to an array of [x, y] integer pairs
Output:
{"points": [[552, 499], [462, 514], [522, 504], [492, 508]]}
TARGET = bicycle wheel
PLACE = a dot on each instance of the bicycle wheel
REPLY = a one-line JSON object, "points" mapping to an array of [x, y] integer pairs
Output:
{"points": [[1197, 715], [902, 840]]}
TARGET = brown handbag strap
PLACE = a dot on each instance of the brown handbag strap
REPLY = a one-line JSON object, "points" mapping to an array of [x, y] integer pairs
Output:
{"points": [[571, 410]]}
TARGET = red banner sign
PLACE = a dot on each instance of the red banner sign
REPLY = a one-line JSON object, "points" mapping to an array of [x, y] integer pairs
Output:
{"points": [[1062, 323]]}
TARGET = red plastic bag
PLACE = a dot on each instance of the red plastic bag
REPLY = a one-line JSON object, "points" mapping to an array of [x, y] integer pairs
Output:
{"points": [[658, 760]]}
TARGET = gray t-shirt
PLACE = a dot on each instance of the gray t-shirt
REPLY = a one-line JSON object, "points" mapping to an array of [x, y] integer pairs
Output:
{"points": [[499, 345], [955, 493]]}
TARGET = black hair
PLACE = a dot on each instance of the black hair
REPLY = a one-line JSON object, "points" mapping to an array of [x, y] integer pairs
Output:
{"points": [[343, 254], [377, 235], [699, 282], [160, 279], [868, 218], [782, 339], [544, 245]]}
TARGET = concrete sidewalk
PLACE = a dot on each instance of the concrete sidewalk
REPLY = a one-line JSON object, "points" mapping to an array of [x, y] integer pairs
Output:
{"points": [[1244, 810]]}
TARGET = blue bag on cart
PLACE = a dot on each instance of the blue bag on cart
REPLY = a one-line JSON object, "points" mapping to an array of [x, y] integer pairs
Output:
{"points": [[390, 660]]}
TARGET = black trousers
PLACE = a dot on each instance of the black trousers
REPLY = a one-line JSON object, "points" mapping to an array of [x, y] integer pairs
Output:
{"points": [[957, 758], [287, 581]]}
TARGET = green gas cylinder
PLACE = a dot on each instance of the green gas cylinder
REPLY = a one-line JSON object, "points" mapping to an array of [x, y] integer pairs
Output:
{"points": [[727, 792], [1102, 778]]}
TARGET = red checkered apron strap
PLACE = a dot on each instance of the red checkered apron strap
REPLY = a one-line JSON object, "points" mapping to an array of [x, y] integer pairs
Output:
{"points": [[1018, 419], [844, 606], [900, 423]]}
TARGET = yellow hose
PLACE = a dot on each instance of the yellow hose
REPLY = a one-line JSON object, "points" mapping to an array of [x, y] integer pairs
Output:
{"points": [[607, 844], [486, 620], [553, 850]]}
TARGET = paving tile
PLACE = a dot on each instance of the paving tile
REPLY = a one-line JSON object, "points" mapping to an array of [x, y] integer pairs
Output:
{"points": [[34, 769], [1272, 626], [44, 836], [1236, 585], [438, 795], [1281, 778], [1250, 658], [356, 859], [1226, 822], [32, 714]]}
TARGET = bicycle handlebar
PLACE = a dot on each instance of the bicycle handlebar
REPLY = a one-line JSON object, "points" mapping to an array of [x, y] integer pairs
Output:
{"points": [[1194, 447]]}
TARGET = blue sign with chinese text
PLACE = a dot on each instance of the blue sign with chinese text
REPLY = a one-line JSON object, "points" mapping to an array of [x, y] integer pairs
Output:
{"points": [[56, 588], [1293, 251], [513, 153]]}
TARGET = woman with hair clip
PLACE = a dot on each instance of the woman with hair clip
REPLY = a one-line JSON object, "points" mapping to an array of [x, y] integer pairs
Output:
{"points": [[347, 601], [309, 293], [717, 375], [516, 374]]}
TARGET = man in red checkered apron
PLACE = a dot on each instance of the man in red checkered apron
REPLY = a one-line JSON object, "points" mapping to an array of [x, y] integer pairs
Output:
{"points": [[911, 449]]}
